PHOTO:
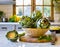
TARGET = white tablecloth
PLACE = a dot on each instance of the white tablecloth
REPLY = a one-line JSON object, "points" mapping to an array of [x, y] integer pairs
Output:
{"points": [[6, 43]]}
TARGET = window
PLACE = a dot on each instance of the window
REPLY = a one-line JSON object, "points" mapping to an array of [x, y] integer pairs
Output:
{"points": [[46, 7], [23, 7], [26, 7]]}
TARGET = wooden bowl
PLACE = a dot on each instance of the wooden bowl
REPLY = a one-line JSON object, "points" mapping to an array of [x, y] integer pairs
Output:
{"points": [[35, 32]]}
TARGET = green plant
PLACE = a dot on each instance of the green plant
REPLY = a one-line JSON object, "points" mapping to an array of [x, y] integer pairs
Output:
{"points": [[36, 16], [27, 22], [22, 34], [46, 37], [1, 13], [31, 22]]}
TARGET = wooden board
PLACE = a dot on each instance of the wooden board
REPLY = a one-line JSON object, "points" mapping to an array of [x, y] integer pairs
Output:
{"points": [[58, 40], [32, 40]]}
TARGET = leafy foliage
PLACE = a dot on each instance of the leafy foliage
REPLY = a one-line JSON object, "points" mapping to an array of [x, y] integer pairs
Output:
{"points": [[1, 13], [31, 22], [22, 34], [47, 37], [36, 16], [27, 22]]}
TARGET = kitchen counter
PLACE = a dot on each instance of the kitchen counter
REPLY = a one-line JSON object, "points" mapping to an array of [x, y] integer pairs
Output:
{"points": [[6, 43], [15, 23]]}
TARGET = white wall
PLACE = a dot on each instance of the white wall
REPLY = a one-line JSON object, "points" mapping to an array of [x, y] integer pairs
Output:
{"points": [[7, 9], [5, 0], [57, 17]]}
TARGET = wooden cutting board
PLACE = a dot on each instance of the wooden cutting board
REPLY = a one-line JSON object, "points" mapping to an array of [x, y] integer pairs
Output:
{"points": [[58, 40], [35, 40], [32, 40]]}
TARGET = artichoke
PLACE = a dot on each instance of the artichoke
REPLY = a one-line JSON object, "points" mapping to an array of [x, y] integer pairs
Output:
{"points": [[27, 22], [12, 35], [44, 23]]}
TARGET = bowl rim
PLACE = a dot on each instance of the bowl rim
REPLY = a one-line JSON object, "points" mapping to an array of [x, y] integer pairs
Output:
{"points": [[35, 28]]}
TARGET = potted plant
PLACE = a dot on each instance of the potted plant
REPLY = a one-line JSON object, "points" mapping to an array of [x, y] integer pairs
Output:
{"points": [[1, 15], [29, 24]]}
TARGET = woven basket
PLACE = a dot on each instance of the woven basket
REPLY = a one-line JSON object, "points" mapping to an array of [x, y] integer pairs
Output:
{"points": [[35, 32]]}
